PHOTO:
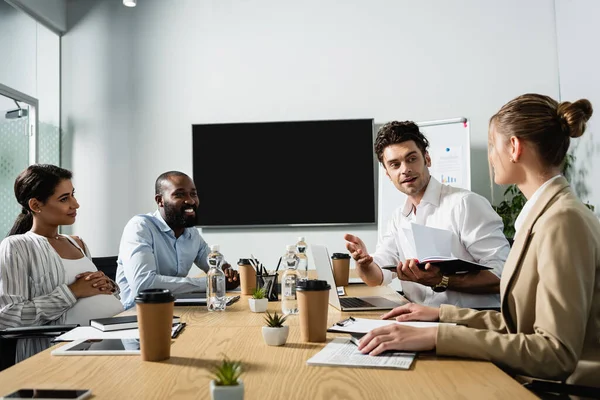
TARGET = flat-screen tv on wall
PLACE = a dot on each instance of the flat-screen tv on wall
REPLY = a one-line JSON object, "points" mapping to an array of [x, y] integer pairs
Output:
{"points": [[285, 173]]}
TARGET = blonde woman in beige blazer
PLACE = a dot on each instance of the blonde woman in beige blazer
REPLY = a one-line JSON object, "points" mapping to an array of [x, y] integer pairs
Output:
{"points": [[549, 324]]}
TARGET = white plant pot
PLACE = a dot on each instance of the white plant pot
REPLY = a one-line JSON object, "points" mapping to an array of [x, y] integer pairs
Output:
{"points": [[258, 305], [275, 336], [227, 392]]}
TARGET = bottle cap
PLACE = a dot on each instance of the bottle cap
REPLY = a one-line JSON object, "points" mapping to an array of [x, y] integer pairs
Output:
{"points": [[290, 247], [312, 285], [301, 238], [215, 247]]}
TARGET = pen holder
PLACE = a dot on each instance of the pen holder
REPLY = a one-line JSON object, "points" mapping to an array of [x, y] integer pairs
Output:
{"points": [[269, 283]]}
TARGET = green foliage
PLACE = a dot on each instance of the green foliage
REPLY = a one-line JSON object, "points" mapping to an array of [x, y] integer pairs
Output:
{"points": [[227, 372], [514, 200], [259, 293], [510, 208], [275, 320]]}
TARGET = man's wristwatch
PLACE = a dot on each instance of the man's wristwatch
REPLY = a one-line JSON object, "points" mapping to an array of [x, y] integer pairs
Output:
{"points": [[442, 286]]}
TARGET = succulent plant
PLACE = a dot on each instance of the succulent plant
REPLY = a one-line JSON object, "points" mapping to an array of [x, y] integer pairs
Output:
{"points": [[275, 320], [259, 293], [227, 372]]}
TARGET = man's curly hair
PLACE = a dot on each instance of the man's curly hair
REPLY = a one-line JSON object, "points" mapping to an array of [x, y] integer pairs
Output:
{"points": [[398, 132]]}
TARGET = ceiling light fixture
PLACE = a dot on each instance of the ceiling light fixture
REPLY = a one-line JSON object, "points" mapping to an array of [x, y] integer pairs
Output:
{"points": [[129, 3]]}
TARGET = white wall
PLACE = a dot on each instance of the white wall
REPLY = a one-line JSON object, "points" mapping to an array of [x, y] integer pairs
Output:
{"points": [[194, 61], [52, 13], [97, 107], [579, 65]]}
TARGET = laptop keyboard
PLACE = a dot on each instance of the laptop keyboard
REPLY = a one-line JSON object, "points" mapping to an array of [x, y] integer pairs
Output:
{"points": [[354, 302]]}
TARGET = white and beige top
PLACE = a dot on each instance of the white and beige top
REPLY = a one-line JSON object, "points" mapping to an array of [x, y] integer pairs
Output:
{"points": [[34, 288]]}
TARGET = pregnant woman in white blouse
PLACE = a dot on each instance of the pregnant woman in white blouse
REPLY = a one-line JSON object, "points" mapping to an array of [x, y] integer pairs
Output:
{"points": [[45, 277]]}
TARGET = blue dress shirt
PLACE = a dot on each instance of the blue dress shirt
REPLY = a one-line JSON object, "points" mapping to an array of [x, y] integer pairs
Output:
{"points": [[151, 257]]}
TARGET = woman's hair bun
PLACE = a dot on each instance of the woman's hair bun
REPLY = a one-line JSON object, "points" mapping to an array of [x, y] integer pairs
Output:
{"points": [[573, 116]]}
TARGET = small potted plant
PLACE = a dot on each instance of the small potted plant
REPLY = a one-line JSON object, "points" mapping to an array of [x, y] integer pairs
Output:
{"points": [[275, 333], [258, 302], [226, 383]]}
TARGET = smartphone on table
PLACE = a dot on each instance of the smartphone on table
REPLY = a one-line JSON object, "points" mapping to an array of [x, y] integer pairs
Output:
{"points": [[49, 394]]}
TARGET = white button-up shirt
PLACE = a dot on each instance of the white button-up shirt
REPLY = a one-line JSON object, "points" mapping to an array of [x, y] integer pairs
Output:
{"points": [[476, 236], [530, 203]]}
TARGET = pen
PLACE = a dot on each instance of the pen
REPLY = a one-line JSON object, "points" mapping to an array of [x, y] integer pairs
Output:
{"points": [[345, 321], [232, 299], [178, 330], [278, 264], [356, 340]]}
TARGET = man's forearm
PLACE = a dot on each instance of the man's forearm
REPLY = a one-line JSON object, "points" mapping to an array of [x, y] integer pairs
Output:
{"points": [[370, 274], [482, 282]]}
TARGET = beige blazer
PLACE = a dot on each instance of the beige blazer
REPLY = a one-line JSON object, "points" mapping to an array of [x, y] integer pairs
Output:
{"points": [[549, 326]]}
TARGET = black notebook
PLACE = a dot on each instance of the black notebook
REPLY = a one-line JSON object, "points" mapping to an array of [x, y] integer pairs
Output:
{"points": [[119, 323], [449, 265]]}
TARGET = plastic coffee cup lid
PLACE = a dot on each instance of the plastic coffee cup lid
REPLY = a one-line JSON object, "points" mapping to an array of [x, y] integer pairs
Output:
{"points": [[155, 296], [244, 261], [312, 285], [340, 255]]}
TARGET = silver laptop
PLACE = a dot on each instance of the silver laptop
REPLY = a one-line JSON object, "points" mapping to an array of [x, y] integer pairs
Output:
{"points": [[190, 299], [198, 299], [325, 271]]}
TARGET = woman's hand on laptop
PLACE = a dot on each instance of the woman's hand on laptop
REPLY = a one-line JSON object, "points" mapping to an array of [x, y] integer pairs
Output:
{"points": [[413, 312], [398, 337]]}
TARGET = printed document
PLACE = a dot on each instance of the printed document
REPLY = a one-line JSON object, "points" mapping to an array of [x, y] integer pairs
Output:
{"points": [[342, 352]]}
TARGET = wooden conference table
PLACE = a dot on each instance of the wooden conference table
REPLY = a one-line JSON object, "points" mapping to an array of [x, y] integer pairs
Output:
{"points": [[270, 372]]}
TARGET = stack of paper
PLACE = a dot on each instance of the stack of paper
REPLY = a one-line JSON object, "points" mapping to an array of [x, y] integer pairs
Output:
{"points": [[433, 245]]}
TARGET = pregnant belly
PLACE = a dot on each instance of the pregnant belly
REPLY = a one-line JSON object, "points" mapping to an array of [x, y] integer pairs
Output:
{"points": [[99, 306]]}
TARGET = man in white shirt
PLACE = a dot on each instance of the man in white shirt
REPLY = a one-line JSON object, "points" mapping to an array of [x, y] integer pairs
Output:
{"points": [[476, 229]]}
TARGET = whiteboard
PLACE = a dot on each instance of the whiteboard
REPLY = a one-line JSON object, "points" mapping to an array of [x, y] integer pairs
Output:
{"points": [[449, 148]]}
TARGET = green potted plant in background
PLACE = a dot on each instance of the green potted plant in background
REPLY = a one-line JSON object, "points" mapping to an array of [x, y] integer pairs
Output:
{"points": [[275, 333], [226, 383], [514, 200], [258, 302]]}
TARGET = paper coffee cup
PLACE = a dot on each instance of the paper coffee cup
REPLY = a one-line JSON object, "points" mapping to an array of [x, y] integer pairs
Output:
{"points": [[247, 276], [341, 268], [313, 305], [155, 321]]}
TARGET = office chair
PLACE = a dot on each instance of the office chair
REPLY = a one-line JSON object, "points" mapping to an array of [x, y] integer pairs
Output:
{"points": [[108, 265], [10, 336], [555, 390]]}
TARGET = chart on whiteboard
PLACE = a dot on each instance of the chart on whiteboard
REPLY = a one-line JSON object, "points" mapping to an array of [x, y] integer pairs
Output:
{"points": [[449, 165]]}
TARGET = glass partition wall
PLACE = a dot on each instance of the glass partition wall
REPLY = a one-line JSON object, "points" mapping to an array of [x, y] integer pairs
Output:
{"points": [[29, 102], [15, 137]]}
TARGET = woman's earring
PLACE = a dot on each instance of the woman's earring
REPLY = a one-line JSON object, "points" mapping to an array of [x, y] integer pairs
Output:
{"points": [[512, 160]]}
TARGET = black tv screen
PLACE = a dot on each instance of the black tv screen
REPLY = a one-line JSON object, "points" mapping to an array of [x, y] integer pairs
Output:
{"points": [[285, 173]]}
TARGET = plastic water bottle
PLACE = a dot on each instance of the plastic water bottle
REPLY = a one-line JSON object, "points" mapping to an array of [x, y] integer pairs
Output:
{"points": [[302, 258], [216, 280], [289, 303]]}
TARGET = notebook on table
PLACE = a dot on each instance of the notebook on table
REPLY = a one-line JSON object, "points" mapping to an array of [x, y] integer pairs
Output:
{"points": [[120, 323], [324, 268]]}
